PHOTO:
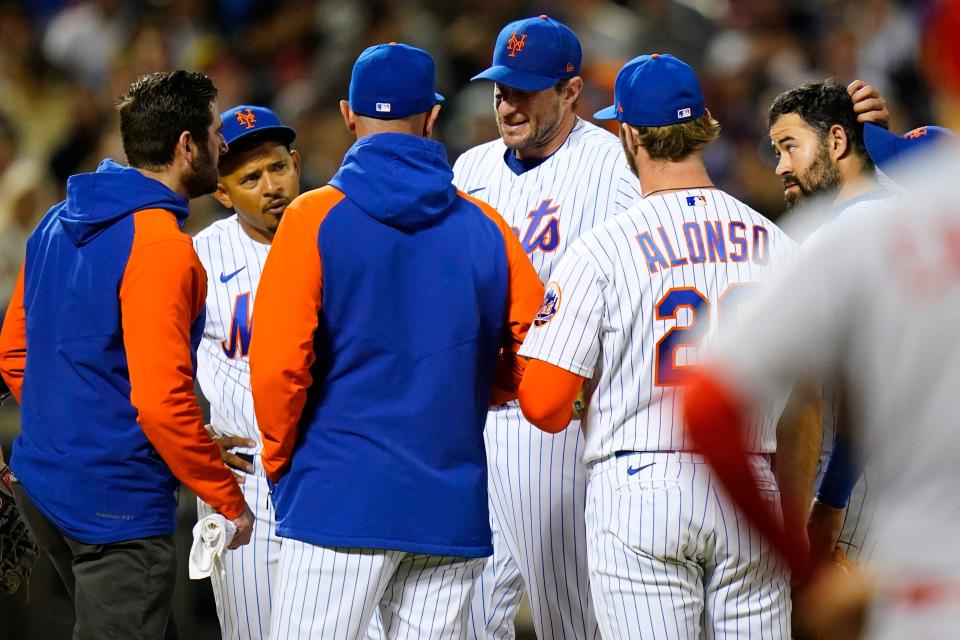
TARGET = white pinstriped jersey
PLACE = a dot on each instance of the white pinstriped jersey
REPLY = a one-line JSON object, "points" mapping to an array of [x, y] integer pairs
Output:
{"points": [[576, 188], [630, 302], [233, 261], [537, 483]]}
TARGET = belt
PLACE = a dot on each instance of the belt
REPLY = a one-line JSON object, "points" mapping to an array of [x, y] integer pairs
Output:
{"points": [[248, 457], [629, 452]]}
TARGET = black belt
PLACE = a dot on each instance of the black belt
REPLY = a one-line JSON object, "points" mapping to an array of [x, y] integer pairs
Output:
{"points": [[630, 452], [248, 457]]}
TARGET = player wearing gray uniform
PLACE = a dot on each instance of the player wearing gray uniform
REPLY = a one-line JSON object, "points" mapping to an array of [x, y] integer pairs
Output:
{"points": [[259, 176], [552, 176], [624, 314], [874, 302]]}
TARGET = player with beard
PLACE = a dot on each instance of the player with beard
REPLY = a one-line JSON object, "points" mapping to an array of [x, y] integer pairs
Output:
{"points": [[109, 306], [818, 137], [259, 176], [552, 176]]}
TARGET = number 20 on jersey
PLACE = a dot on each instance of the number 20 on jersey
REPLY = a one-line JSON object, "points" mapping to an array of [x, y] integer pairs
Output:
{"points": [[667, 372]]}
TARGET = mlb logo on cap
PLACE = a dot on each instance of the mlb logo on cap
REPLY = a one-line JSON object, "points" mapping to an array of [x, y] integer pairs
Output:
{"points": [[392, 81], [655, 91]]}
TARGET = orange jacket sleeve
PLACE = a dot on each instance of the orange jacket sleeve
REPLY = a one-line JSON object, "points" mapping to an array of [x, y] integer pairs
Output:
{"points": [[547, 394], [524, 296], [163, 292], [13, 341], [285, 317]]}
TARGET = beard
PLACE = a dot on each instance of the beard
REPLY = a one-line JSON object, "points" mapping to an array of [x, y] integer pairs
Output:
{"points": [[203, 177], [539, 135], [822, 176]]}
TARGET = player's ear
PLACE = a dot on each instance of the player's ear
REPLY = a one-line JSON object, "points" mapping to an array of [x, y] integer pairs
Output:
{"points": [[629, 138], [430, 121], [295, 158], [184, 148], [348, 118], [222, 196], [572, 89], [838, 144]]}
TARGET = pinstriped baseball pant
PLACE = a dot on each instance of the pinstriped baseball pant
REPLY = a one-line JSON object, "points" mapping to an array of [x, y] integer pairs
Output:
{"points": [[334, 593], [243, 594], [537, 490], [670, 557]]}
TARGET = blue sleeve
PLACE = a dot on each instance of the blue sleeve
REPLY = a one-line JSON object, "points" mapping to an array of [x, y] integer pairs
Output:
{"points": [[841, 474]]}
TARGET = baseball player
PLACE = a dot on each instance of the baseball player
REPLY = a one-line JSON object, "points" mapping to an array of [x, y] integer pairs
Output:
{"points": [[259, 176], [821, 151], [552, 176], [872, 302], [390, 310], [622, 317]]}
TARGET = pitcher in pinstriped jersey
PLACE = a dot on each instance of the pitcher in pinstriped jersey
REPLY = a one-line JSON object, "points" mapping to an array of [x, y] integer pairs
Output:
{"points": [[552, 176], [627, 310]]}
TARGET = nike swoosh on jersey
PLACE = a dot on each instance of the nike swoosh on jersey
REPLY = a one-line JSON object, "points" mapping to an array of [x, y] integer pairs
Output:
{"points": [[472, 191], [632, 471], [226, 278]]}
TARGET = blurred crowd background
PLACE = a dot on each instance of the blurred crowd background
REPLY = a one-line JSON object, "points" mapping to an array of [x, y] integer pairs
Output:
{"points": [[64, 62]]}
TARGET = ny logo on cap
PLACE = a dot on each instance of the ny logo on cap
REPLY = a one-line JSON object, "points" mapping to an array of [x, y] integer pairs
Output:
{"points": [[246, 118], [916, 133], [515, 45]]}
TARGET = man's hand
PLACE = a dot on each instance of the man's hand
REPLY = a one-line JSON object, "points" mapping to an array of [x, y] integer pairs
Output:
{"points": [[832, 606], [244, 529], [823, 529], [868, 105], [232, 460]]}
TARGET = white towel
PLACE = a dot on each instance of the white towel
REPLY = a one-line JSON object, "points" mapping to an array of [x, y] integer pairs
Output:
{"points": [[211, 535]]}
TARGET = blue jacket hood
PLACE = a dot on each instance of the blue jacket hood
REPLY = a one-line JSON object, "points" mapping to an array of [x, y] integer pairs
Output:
{"points": [[403, 181], [95, 201]]}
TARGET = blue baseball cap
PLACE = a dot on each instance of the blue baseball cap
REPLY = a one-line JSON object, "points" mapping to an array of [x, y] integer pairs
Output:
{"points": [[534, 54], [247, 122], [654, 91], [889, 151], [391, 81]]}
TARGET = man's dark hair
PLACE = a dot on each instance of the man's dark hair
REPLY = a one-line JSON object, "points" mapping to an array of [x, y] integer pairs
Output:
{"points": [[821, 105], [157, 108]]}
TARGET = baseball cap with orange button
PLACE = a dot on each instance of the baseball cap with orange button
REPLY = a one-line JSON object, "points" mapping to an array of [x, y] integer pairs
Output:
{"points": [[655, 90], [534, 54]]}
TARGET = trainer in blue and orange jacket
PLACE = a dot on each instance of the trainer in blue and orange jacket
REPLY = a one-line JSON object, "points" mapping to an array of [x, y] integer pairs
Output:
{"points": [[388, 317], [98, 348]]}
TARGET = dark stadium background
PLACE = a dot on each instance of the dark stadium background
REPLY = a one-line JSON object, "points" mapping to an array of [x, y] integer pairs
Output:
{"points": [[62, 64]]}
